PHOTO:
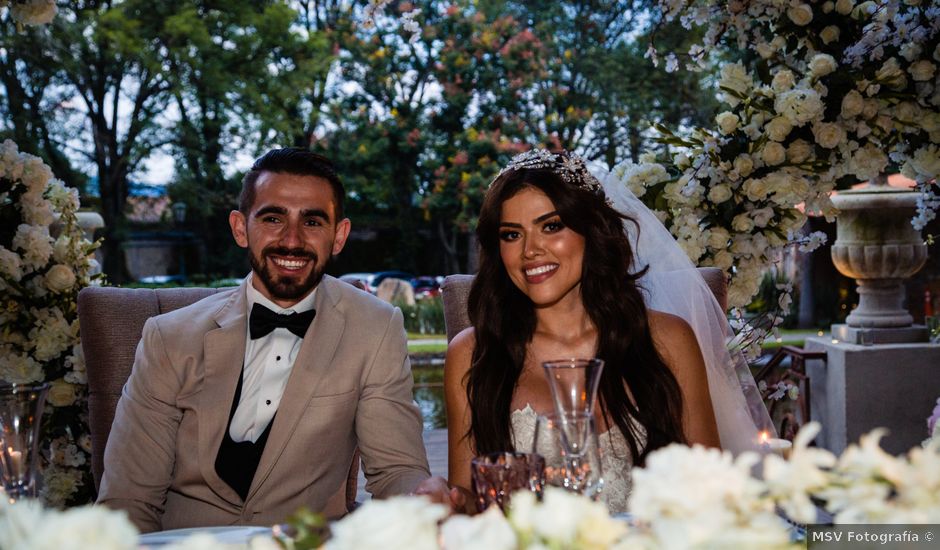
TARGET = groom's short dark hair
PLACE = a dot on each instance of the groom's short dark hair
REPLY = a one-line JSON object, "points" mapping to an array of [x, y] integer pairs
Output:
{"points": [[292, 160]]}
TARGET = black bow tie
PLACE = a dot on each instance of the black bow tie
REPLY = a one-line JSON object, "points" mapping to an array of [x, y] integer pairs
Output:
{"points": [[262, 321]]}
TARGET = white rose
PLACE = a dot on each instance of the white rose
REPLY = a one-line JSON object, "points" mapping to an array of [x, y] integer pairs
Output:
{"points": [[744, 165], [734, 77], [890, 70], [486, 531], [926, 162], [61, 393], [782, 81], [852, 104], [844, 7], [800, 14], [799, 151], [88, 527], [911, 51], [755, 189], [867, 162], [397, 522], [828, 6], [723, 259], [765, 50], [870, 109], [742, 223], [60, 278], [718, 238], [828, 134], [719, 194], [727, 122], [762, 216], [778, 128], [11, 264], [799, 105], [922, 70], [829, 34], [773, 153], [908, 112], [822, 64]]}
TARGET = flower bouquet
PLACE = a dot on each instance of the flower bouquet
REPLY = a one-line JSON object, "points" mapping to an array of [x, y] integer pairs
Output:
{"points": [[834, 92], [44, 262]]}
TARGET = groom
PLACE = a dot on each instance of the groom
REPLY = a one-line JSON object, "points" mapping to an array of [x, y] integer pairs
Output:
{"points": [[250, 404]]}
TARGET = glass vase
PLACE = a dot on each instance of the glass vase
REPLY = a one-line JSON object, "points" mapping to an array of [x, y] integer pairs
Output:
{"points": [[20, 419]]}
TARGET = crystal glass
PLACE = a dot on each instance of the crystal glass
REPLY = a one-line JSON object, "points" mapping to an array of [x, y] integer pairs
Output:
{"points": [[568, 443], [574, 383], [20, 418], [496, 476]]}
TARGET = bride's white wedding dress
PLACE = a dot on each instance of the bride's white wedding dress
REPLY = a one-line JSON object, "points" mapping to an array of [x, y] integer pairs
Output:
{"points": [[616, 461]]}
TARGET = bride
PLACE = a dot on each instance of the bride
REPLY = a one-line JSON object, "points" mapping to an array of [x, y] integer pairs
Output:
{"points": [[559, 277]]}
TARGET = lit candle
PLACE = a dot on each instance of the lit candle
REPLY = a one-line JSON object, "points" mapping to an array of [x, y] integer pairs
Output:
{"points": [[16, 463], [775, 445]]}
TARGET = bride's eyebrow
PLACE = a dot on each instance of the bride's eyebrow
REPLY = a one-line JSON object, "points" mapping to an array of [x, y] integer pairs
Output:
{"points": [[537, 220]]}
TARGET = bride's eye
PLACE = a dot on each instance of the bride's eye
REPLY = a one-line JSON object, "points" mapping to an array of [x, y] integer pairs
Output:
{"points": [[554, 226], [508, 235]]}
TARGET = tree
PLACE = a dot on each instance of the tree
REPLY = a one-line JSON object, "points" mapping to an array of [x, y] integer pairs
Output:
{"points": [[238, 75], [109, 56]]}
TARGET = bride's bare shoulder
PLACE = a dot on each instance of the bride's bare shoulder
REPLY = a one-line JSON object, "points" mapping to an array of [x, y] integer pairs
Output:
{"points": [[670, 331], [460, 349]]}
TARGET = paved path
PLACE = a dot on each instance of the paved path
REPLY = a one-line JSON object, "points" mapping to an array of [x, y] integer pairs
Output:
{"points": [[435, 441]]}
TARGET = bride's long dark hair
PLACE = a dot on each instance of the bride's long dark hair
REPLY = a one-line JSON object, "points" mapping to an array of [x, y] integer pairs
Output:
{"points": [[504, 321]]}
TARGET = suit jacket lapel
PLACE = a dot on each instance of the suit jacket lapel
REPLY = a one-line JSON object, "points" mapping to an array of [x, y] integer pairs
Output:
{"points": [[310, 367], [224, 359]]}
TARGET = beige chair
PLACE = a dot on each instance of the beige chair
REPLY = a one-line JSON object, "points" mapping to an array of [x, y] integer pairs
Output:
{"points": [[112, 320], [456, 288]]}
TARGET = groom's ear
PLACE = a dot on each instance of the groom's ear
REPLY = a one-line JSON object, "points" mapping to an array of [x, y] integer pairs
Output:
{"points": [[239, 225], [342, 233]]}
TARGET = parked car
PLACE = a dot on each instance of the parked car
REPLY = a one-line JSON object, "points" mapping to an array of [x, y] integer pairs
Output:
{"points": [[382, 275], [426, 286], [365, 278]]}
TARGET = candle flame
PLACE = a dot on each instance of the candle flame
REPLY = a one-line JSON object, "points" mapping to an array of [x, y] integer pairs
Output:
{"points": [[764, 437]]}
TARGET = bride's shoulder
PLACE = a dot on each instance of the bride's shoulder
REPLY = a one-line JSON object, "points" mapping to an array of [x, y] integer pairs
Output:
{"points": [[669, 330], [460, 348]]}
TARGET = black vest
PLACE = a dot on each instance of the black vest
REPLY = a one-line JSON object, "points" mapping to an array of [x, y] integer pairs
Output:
{"points": [[237, 462]]}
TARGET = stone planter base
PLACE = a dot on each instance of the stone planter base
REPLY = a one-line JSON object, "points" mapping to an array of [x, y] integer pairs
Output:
{"points": [[860, 388], [852, 335]]}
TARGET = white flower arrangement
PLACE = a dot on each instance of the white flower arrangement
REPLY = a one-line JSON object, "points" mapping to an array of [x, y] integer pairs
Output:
{"points": [[841, 90], [685, 497], [40, 277]]}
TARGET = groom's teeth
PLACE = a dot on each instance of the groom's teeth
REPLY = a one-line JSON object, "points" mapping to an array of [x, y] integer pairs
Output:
{"points": [[290, 264], [539, 270]]}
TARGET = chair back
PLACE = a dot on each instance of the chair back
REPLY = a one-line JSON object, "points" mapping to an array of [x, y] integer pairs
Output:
{"points": [[456, 289], [112, 321]]}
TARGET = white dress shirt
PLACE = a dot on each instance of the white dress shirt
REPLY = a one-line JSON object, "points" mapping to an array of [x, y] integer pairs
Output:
{"points": [[268, 362]]}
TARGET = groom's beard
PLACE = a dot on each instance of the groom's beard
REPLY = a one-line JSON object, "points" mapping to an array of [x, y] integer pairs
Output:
{"points": [[287, 287]]}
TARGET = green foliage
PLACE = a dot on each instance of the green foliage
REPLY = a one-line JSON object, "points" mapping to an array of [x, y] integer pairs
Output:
{"points": [[425, 317]]}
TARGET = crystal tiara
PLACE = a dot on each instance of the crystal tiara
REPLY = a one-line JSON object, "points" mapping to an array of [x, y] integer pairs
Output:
{"points": [[569, 166]]}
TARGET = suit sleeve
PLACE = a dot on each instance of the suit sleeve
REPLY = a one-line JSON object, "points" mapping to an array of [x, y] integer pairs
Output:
{"points": [[388, 424], [141, 450]]}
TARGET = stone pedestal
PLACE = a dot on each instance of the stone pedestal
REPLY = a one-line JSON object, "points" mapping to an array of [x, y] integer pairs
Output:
{"points": [[860, 388], [898, 335]]}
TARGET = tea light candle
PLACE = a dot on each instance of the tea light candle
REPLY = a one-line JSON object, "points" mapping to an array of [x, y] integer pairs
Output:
{"points": [[16, 463], [775, 445]]}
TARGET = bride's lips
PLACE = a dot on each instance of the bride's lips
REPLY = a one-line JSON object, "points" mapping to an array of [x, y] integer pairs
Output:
{"points": [[537, 273]]}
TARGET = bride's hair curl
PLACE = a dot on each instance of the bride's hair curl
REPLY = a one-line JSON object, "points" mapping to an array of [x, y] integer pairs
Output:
{"points": [[503, 318]]}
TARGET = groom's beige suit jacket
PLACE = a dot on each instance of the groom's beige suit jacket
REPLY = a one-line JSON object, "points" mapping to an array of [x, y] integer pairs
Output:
{"points": [[350, 385]]}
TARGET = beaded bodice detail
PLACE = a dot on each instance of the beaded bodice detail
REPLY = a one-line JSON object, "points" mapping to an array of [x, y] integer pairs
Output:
{"points": [[616, 460]]}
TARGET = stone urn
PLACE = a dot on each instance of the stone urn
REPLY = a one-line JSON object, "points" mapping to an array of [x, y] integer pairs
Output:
{"points": [[878, 247]]}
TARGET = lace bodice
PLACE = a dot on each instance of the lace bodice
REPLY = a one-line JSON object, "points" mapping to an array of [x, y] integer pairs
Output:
{"points": [[616, 461]]}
